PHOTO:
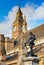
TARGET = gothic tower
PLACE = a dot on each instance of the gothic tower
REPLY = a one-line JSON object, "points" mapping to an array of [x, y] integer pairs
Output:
{"points": [[19, 25]]}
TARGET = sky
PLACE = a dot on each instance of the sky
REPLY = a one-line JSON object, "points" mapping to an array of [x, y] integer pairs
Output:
{"points": [[32, 9]]}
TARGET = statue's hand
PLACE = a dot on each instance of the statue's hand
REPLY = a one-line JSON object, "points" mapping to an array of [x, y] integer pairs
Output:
{"points": [[23, 45]]}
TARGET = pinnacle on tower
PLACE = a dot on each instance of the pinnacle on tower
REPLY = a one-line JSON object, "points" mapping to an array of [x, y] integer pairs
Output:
{"points": [[19, 13]]}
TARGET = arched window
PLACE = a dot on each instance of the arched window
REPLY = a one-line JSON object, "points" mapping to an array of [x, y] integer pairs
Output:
{"points": [[15, 42]]}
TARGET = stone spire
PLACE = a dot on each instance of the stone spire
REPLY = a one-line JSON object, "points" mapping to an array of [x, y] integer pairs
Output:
{"points": [[19, 13]]}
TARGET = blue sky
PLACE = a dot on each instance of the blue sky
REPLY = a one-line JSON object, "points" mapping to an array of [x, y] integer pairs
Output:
{"points": [[32, 9], [6, 5]]}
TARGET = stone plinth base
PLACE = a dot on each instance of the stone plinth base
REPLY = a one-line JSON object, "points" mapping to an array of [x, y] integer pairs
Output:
{"points": [[2, 63], [31, 61]]}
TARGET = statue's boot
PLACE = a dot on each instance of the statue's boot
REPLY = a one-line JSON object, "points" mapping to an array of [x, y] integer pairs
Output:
{"points": [[31, 54]]}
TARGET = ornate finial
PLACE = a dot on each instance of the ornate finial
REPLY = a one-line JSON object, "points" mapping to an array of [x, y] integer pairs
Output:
{"points": [[25, 18]]}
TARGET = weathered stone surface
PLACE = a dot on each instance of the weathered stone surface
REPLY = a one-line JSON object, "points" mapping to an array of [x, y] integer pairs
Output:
{"points": [[31, 61]]}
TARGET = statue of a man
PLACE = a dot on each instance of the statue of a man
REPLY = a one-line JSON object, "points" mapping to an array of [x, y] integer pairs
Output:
{"points": [[30, 43]]}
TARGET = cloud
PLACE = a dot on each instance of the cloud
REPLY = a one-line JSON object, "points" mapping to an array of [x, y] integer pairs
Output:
{"points": [[39, 13], [6, 25], [32, 15]]}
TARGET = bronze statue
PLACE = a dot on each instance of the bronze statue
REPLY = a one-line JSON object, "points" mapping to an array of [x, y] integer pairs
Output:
{"points": [[30, 43]]}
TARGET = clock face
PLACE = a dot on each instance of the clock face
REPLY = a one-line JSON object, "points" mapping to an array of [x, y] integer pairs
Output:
{"points": [[20, 19], [14, 29]]}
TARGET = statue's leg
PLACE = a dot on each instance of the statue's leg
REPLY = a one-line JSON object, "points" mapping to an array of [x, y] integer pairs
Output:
{"points": [[31, 50]]}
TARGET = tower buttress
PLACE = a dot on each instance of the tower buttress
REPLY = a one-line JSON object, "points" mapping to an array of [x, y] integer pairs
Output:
{"points": [[25, 25]]}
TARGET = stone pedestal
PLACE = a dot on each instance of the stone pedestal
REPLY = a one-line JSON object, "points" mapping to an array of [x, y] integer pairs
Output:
{"points": [[31, 61], [2, 63]]}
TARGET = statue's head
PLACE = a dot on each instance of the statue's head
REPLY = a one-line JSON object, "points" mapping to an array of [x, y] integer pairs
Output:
{"points": [[31, 33]]}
